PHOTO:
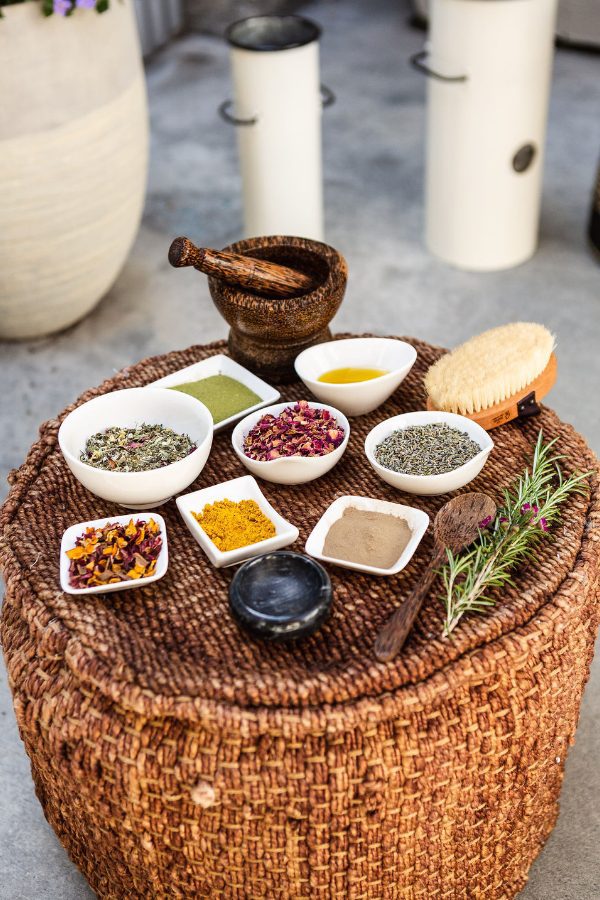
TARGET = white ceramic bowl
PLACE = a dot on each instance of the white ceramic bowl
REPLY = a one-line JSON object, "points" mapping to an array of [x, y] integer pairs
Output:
{"points": [[130, 407], [416, 519], [223, 365], [291, 469], [430, 484], [74, 531], [244, 488], [360, 397]]}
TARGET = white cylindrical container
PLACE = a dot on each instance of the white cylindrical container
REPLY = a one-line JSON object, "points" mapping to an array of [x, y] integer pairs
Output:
{"points": [[275, 68], [489, 66]]}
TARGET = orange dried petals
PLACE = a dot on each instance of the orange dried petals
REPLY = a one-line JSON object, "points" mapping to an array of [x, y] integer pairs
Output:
{"points": [[114, 553], [76, 553]]}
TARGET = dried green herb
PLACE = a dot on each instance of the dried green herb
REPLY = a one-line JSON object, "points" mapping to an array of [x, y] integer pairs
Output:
{"points": [[529, 510], [136, 449], [224, 396], [430, 449]]}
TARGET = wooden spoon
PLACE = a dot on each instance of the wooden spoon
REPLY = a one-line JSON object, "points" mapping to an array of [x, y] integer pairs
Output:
{"points": [[456, 525]]}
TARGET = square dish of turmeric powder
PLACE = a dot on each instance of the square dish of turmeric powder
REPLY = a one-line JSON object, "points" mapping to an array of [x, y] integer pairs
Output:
{"points": [[234, 521]]}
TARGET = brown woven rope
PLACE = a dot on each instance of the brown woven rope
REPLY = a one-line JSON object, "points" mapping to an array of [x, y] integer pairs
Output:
{"points": [[176, 758]]}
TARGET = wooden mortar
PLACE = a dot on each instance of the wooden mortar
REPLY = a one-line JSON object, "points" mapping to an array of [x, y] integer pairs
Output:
{"points": [[267, 333]]}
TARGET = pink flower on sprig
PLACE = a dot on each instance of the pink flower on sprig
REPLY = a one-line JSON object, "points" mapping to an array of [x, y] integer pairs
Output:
{"points": [[534, 509], [62, 7], [485, 522]]}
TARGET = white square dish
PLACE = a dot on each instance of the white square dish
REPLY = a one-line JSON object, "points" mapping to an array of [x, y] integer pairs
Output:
{"points": [[74, 531], [244, 488], [223, 365], [416, 519]]}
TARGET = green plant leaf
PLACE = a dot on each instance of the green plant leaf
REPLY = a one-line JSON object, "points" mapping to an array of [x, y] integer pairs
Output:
{"points": [[512, 540]]}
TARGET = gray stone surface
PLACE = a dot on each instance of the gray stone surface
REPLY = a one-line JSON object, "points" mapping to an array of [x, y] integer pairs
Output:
{"points": [[373, 171]]}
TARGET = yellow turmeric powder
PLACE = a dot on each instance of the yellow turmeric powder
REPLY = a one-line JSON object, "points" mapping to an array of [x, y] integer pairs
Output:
{"points": [[231, 525]]}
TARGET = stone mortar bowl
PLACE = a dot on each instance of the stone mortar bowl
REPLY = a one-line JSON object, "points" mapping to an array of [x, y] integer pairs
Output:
{"points": [[267, 333]]}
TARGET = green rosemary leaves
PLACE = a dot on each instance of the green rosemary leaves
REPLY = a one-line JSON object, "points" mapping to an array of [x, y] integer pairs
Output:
{"points": [[529, 510]]}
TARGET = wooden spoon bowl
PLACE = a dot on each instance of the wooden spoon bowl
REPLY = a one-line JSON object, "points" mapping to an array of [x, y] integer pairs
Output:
{"points": [[456, 525]]}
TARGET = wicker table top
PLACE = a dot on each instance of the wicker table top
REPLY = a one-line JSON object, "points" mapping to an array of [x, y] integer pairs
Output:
{"points": [[172, 647]]}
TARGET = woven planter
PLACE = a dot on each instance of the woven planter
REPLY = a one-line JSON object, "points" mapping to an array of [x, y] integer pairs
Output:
{"points": [[176, 758]]}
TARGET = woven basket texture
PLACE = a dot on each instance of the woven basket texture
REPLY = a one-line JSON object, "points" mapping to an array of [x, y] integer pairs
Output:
{"points": [[175, 757]]}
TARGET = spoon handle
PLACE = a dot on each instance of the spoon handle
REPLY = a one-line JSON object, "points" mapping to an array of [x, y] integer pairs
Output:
{"points": [[392, 636]]}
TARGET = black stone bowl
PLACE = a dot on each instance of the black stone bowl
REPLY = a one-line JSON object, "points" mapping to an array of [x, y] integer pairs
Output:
{"points": [[280, 596]]}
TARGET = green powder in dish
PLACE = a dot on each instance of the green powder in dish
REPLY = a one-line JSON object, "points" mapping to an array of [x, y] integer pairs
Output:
{"points": [[223, 395]]}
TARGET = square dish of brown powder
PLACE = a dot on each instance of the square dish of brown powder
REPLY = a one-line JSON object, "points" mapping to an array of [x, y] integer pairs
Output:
{"points": [[369, 538]]}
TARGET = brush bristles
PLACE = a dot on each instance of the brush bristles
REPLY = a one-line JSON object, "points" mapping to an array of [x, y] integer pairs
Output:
{"points": [[489, 368]]}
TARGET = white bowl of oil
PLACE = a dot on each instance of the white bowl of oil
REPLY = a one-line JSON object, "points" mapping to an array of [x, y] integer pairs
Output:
{"points": [[356, 375]]}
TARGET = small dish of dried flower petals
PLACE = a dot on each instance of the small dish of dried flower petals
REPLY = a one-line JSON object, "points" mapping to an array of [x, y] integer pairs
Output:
{"points": [[113, 554], [291, 443]]}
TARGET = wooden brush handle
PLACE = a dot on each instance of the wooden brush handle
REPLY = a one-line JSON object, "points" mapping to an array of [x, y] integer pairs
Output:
{"points": [[243, 271], [392, 636]]}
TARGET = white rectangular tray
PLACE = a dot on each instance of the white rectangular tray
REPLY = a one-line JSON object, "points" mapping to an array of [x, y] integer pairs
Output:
{"points": [[223, 365], [74, 531]]}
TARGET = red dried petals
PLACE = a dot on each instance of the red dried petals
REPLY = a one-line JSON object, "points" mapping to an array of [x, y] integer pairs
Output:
{"points": [[299, 430], [114, 553]]}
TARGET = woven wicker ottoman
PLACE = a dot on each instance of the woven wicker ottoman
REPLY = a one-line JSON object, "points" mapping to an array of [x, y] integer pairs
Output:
{"points": [[176, 758]]}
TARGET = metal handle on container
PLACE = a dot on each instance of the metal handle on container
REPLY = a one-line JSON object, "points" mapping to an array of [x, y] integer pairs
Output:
{"points": [[233, 120], [418, 62], [328, 98]]}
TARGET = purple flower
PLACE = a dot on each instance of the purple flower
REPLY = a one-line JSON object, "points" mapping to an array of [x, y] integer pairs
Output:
{"points": [[525, 507], [535, 509], [485, 522], [503, 519], [543, 524], [62, 7], [85, 4]]}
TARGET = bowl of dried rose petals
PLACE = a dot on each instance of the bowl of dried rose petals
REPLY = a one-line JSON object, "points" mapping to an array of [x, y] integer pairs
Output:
{"points": [[291, 443], [113, 554]]}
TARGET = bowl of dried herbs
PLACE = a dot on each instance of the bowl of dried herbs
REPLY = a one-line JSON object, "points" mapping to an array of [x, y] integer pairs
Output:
{"points": [[138, 446], [428, 452]]}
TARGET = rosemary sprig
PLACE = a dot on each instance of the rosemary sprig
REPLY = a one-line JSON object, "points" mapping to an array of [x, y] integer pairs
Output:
{"points": [[529, 510]]}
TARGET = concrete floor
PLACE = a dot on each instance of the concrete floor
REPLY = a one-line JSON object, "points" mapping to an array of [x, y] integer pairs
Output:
{"points": [[373, 172]]}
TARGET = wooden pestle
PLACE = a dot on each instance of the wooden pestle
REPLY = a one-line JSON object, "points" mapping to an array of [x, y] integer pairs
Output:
{"points": [[257, 275]]}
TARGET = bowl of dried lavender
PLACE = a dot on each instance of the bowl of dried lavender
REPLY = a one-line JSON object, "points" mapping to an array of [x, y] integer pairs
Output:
{"points": [[428, 452], [291, 443], [139, 446]]}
